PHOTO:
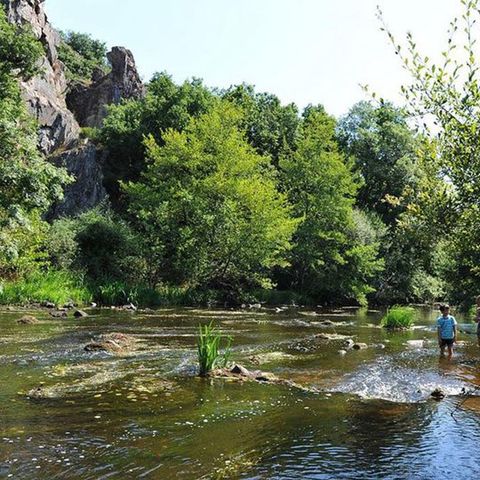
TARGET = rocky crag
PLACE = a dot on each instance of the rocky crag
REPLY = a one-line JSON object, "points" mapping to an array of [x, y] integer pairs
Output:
{"points": [[61, 109]]}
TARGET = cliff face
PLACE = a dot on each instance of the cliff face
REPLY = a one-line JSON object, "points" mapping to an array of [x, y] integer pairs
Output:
{"points": [[45, 93], [59, 121], [88, 102]]}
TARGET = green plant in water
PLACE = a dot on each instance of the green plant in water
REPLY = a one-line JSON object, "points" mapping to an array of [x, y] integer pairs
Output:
{"points": [[398, 318], [209, 346]]}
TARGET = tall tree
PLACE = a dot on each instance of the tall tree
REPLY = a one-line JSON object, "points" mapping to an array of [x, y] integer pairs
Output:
{"points": [[331, 261], [208, 206], [165, 106], [445, 96]]}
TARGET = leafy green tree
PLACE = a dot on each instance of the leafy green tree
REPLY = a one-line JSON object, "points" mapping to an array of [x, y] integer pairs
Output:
{"points": [[335, 252], [445, 96], [208, 206], [28, 184], [272, 129], [165, 106], [384, 149], [81, 55]]}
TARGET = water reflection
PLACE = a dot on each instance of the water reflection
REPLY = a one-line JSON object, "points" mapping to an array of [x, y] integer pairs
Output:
{"points": [[146, 415]]}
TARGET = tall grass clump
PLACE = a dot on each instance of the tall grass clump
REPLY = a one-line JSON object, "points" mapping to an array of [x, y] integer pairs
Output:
{"points": [[398, 318], [209, 345], [51, 285]]}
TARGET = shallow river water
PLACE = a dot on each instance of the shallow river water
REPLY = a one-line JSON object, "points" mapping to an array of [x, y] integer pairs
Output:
{"points": [[146, 415]]}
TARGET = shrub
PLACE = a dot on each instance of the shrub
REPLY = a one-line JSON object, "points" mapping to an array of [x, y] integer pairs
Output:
{"points": [[209, 344], [398, 318]]}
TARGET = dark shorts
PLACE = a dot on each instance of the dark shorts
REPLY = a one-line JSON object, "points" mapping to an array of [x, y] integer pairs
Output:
{"points": [[446, 342]]}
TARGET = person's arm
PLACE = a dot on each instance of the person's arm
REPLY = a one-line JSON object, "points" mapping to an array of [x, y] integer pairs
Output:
{"points": [[454, 330], [438, 335]]}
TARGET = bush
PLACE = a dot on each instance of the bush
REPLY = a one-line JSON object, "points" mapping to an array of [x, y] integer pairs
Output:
{"points": [[398, 318], [209, 343], [51, 285]]}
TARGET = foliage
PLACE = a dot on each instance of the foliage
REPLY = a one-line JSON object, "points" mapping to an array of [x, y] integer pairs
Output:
{"points": [[272, 129], [166, 106], [209, 345], [330, 260], [51, 285], [402, 187], [81, 55], [398, 318], [384, 150], [446, 96], [28, 183], [208, 207], [99, 245]]}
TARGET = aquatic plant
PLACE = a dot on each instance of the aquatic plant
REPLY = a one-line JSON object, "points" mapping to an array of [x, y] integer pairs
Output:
{"points": [[398, 318], [209, 346]]}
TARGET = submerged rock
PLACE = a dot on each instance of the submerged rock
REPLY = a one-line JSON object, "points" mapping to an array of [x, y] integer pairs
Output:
{"points": [[359, 346], [80, 314], [416, 343], [27, 320], [438, 394], [58, 314], [111, 342]]}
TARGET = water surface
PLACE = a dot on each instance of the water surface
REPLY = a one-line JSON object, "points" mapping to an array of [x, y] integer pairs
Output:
{"points": [[145, 415]]}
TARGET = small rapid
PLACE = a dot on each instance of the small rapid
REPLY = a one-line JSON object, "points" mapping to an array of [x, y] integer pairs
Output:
{"points": [[384, 379]]}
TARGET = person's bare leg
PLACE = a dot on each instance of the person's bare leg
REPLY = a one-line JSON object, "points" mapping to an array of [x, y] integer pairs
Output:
{"points": [[442, 351], [450, 351]]}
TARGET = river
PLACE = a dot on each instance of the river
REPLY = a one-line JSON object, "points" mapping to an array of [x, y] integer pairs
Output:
{"points": [[144, 414]]}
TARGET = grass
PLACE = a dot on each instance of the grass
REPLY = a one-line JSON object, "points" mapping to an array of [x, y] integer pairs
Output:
{"points": [[209, 345], [54, 286], [398, 318]]}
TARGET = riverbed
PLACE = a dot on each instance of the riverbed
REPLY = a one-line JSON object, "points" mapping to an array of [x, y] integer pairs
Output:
{"points": [[145, 414]]}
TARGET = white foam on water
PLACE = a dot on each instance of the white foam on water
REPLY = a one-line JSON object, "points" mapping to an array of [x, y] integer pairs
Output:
{"points": [[385, 380]]}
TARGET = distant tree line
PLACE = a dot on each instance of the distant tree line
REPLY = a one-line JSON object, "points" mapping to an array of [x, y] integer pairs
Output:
{"points": [[232, 193]]}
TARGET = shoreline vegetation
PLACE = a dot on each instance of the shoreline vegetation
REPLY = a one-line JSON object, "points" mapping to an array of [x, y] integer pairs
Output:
{"points": [[229, 196]]}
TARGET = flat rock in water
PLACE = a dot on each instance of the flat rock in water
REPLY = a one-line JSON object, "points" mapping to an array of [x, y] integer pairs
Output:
{"points": [[59, 314], [331, 336], [80, 314], [111, 342], [359, 346], [27, 320], [416, 343]]}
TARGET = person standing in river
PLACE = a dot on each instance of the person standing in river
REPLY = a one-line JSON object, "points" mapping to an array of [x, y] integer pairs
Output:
{"points": [[447, 330]]}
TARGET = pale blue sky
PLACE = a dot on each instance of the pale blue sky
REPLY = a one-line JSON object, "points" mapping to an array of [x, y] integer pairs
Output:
{"points": [[305, 51]]}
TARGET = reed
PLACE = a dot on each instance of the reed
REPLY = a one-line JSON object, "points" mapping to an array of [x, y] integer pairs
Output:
{"points": [[209, 346]]}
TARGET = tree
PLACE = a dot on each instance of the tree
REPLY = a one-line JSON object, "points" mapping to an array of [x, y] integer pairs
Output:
{"points": [[384, 149], [331, 259], [208, 205], [445, 96], [28, 184], [272, 129], [166, 106], [398, 168], [81, 55]]}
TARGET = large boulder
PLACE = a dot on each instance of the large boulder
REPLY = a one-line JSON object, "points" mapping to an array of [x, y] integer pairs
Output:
{"points": [[89, 102], [85, 164]]}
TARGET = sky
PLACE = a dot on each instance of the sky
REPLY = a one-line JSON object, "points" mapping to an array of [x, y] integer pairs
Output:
{"points": [[304, 51]]}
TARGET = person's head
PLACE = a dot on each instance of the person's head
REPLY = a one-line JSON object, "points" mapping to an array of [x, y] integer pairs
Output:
{"points": [[445, 309]]}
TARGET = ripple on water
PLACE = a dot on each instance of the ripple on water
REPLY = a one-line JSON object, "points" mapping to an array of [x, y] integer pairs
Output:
{"points": [[385, 380]]}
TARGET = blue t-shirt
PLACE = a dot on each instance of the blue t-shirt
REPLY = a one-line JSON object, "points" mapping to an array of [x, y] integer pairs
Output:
{"points": [[446, 324]]}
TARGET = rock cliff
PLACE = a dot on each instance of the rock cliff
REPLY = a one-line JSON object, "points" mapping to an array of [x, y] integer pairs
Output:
{"points": [[88, 102], [59, 120]]}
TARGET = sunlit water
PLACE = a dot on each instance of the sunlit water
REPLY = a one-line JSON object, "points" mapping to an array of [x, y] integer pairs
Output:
{"points": [[145, 415]]}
